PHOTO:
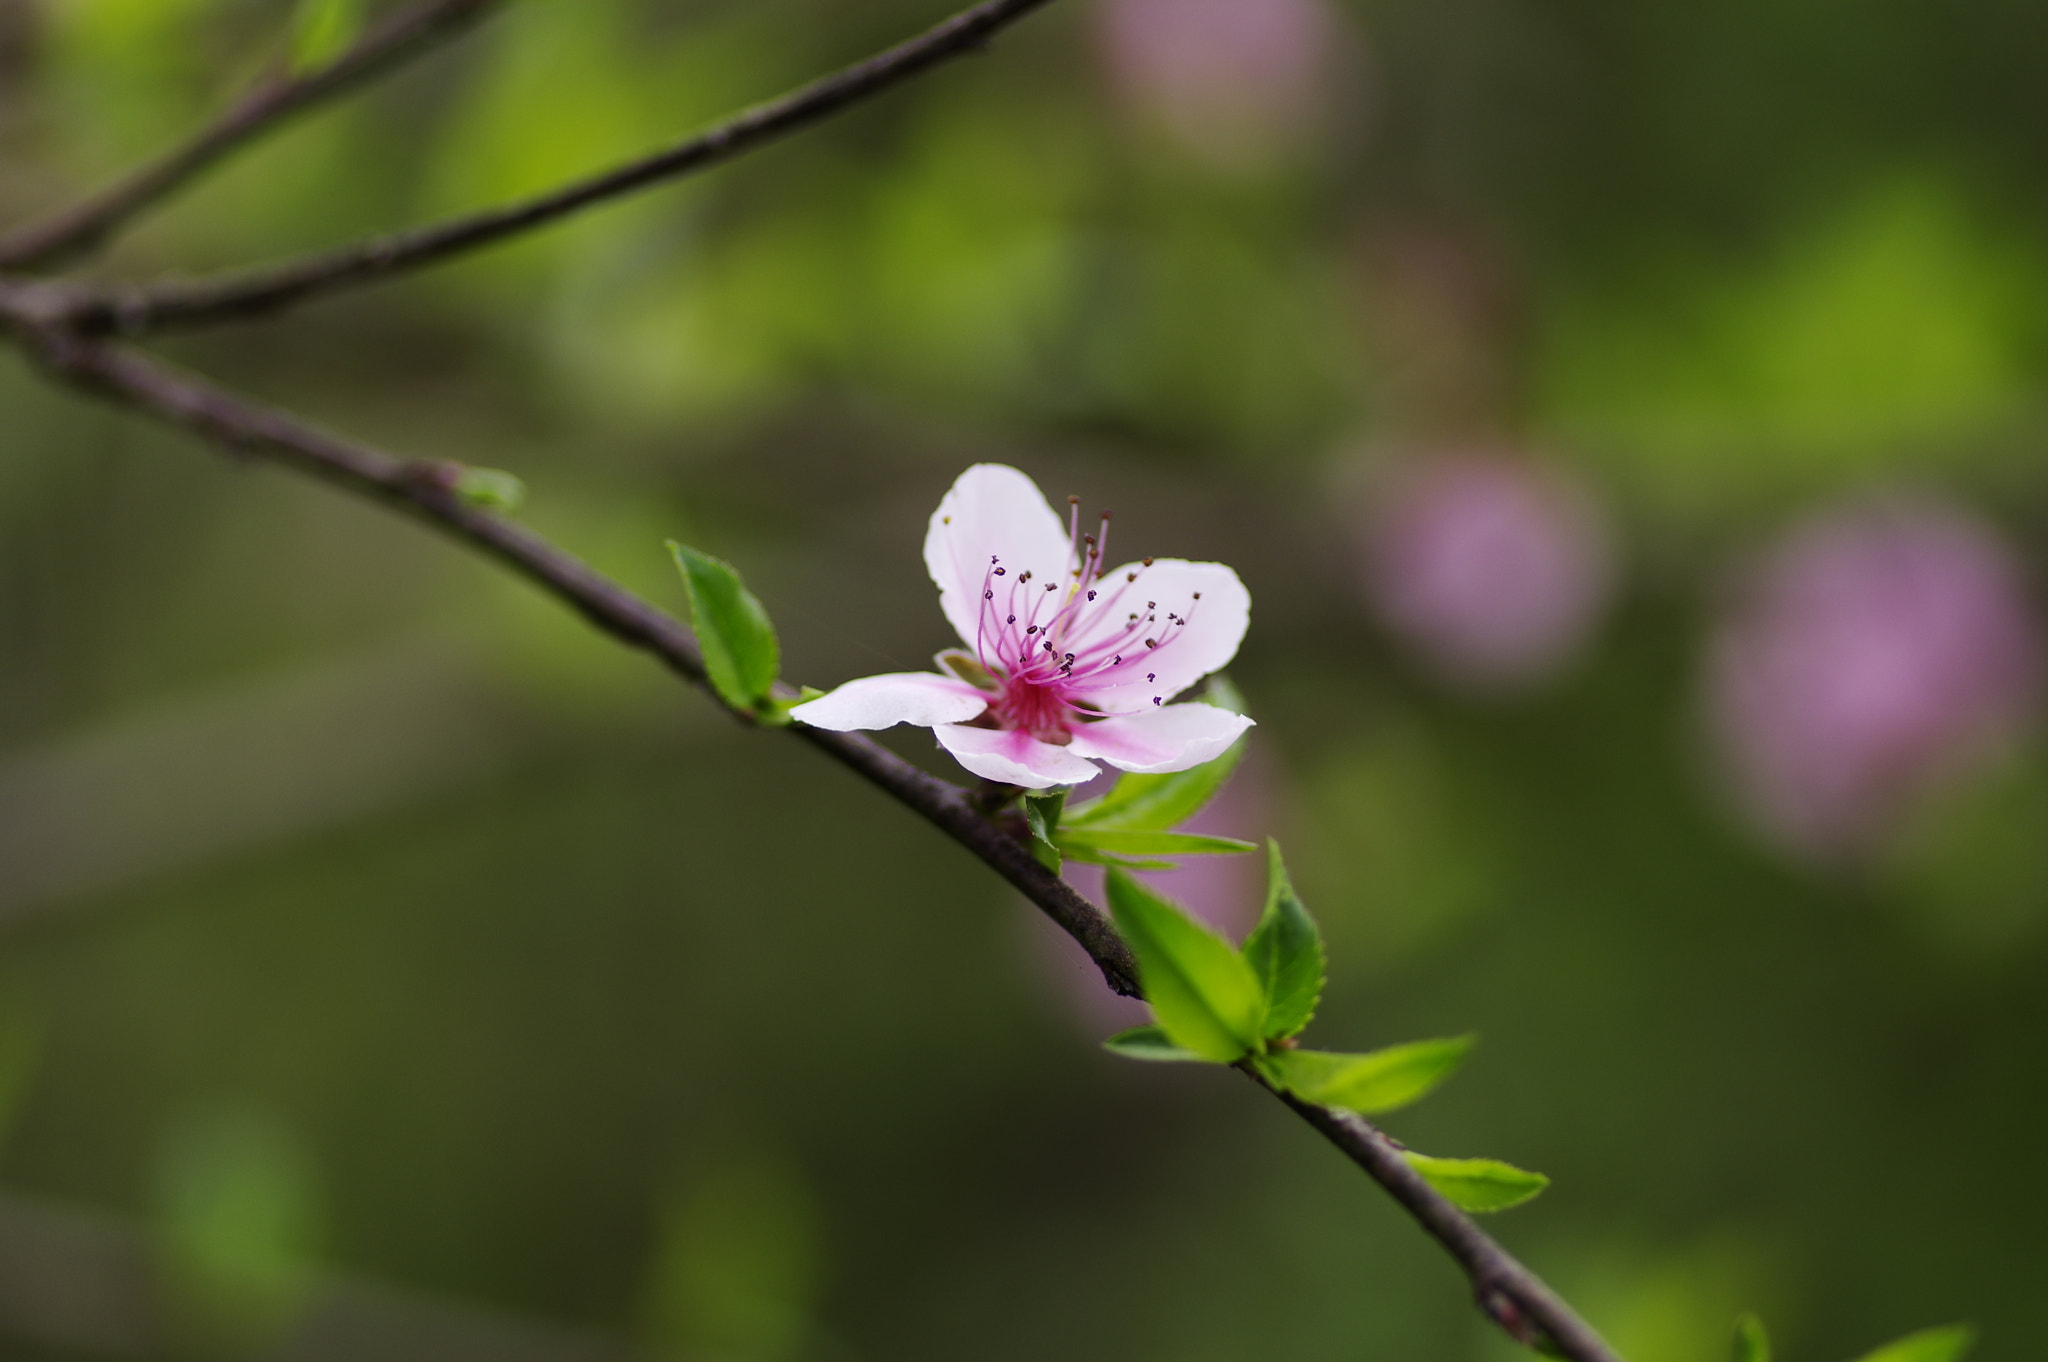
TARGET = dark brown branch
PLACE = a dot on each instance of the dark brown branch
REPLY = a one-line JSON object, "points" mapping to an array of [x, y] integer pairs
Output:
{"points": [[242, 294], [1512, 1296], [1508, 1292], [52, 240]]}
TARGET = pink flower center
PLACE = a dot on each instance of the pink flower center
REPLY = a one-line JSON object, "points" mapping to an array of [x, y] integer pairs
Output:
{"points": [[1050, 643]]}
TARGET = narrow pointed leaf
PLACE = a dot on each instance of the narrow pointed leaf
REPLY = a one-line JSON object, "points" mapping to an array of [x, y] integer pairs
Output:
{"points": [[1142, 850], [1946, 1344], [1151, 1043], [1752, 1344], [1042, 816], [1481, 1184], [1381, 1081], [1285, 951], [1200, 989], [1139, 803], [741, 655]]}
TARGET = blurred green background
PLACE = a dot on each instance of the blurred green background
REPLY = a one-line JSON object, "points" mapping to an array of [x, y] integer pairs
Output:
{"points": [[384, 956]]}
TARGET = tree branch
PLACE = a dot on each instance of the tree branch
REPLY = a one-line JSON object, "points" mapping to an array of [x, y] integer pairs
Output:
{"points": [[1508, 1292], [133, 311], [57, 238]]}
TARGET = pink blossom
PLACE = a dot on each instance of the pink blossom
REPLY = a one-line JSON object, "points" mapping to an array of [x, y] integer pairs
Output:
{"points": [[1491, 566], [1069, 664], [1879, 649], [1232, 79]]}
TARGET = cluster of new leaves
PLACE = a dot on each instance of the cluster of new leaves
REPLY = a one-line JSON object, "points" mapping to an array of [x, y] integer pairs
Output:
{"points": [[1221, 1004], [1946, 1344]]}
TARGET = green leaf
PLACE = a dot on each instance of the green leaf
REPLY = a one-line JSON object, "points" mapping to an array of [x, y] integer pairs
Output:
{"points": [[1946, 1344], [1383, 1080], [1143, 850], [1138, 803], [1286, 952], [322, 31], [491, 488], [774, 711], [1480, 1184], [1201, 990], [1752, 1344], [741, 655], [1151, 1043], [968, 668], [1042, 816]]}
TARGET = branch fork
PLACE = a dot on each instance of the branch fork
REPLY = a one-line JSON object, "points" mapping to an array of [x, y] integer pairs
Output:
{"points": [[66, 328]]}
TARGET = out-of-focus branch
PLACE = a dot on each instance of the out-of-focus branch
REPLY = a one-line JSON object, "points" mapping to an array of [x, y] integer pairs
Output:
{"points": [[1508, 1292], [86, 1284], [52, 240], [133, 311]]}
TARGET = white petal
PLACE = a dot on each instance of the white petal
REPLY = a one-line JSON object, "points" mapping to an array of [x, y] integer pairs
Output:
{"points": [[991, 511], [1171, 738], [1013, 756], [895, 698], [1186, 652]]}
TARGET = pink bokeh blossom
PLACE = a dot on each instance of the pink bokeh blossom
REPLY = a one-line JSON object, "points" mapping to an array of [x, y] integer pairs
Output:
{"points": [[1235, 81], [1879, 650], [1492, 567]]}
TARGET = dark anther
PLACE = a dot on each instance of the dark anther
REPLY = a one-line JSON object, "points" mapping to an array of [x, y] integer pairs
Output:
{"points": [[1147, 562], [1031, 629], [1151, 643], [1012, 619], [1001, 571], [1128, 576], [1054, 586], [1155, 700], [1073, 501], [1070, 659], [1198, 595], [1119, 661], [988, 595], [1091, 595], [1048, 647], [1151, 605], [1151, 676]]}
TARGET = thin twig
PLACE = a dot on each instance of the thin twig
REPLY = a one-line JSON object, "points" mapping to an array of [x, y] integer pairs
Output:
{"points": [[132, 311], [1508, 1292], [61, 236]]}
